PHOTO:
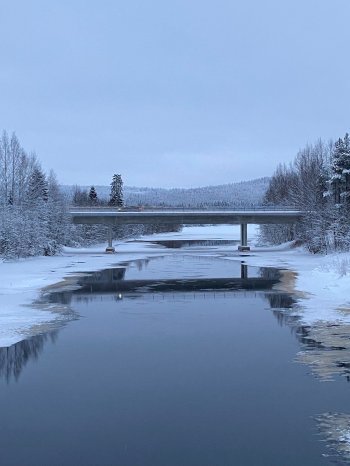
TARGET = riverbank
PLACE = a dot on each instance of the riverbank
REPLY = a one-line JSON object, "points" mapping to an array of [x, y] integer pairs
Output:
{"points": [[320, 282]]}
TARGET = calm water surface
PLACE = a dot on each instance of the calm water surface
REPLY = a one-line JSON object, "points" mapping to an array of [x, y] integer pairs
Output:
{"points": [[174, 361]]}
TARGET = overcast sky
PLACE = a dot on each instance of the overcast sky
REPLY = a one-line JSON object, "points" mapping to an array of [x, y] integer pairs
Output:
{"points": [[172, 92]]}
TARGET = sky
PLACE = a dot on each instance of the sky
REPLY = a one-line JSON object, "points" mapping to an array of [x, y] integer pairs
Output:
{"points": [[176, 93]]}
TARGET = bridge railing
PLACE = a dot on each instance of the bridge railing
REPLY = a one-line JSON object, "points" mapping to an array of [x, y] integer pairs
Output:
{"points": [[182, 209]]}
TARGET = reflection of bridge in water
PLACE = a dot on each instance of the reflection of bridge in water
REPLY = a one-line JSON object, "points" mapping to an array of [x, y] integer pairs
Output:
{"points": [[112, 282]]}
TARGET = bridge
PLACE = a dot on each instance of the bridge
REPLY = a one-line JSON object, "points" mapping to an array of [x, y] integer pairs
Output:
{"points": [[113, 217]]}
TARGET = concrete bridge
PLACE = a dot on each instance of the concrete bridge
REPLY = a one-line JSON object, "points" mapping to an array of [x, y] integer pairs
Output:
{"points": [[113, 217]]}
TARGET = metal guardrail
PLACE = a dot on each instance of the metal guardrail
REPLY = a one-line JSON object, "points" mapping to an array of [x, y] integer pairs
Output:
{"points": [[183, 209]]}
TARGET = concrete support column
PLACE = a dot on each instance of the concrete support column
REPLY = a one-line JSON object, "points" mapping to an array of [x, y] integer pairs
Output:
{"points": [[110, 249], [244, 270], [244, 238]]}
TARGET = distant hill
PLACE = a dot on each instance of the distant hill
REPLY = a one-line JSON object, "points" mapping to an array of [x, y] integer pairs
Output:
{"points": [[242, 194]]}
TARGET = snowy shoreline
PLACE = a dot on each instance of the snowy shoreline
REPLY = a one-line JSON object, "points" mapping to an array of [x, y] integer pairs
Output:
{"points": [[321, 282]]}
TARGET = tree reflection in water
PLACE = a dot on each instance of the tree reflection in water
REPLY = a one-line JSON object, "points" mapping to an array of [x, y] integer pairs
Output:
{"points": [[14, 358], [325, 346]]}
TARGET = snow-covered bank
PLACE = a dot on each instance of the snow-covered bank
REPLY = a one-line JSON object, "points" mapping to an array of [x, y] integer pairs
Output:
{"points": [[22, 280], [321, 281]]}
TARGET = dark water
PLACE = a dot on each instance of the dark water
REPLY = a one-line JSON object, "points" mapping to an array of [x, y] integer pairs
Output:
{"points": [[180, 360]]}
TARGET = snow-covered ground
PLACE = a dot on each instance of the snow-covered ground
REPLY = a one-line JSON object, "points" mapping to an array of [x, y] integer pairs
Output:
{"points": [[322, 282]]}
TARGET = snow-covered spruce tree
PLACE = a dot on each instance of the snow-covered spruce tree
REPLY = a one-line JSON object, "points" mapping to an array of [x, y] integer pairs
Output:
{"points": [[57, 219], [339, 192], [340, 171], [92, 196], [37, 187], [48, 211], [116, 194]]}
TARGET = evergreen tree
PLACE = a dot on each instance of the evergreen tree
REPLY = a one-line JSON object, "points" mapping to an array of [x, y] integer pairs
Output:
{"points": [[38, 187], [116, 195], [340, 171], [57, 221], [92, 196]]}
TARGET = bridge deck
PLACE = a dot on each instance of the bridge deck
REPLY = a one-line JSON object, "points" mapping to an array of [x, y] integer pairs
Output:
{"points": [[233, 217]]}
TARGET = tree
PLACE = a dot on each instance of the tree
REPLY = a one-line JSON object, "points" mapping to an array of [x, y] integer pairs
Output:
{"points": [[80, 197], [303, 185], [340, 171], [116, 195], [33, 213], [38, 187], [92, 196], [57, 221], [5, 167], [15, 158]]}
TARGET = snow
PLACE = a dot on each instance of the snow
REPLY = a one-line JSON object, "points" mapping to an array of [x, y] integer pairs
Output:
{"points": [[321, 283], [23, 280]]}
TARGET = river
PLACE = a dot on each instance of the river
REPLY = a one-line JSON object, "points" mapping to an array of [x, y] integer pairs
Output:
{"points": [[181, 359]]}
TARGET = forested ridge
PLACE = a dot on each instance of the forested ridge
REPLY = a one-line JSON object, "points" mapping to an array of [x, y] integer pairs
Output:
{"points": [[243, 194], [318, 182]]}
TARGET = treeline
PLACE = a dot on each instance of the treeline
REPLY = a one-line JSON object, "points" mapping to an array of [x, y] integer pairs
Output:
{"points": [[318, 182], [244, 194], [82, 197], [32, 208]]}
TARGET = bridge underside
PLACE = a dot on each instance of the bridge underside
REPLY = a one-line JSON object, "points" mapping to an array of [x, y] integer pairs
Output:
{"points": [[187, 218], [175, 218]]}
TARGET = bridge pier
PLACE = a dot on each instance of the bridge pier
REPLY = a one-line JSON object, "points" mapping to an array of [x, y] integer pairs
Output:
{"points": [[244, 270], [244, 238], [110, 249]]}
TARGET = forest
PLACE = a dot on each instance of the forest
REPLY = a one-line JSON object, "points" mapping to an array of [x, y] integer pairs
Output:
{"points": [[317, 181], [33, 217], [243, 194]]}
